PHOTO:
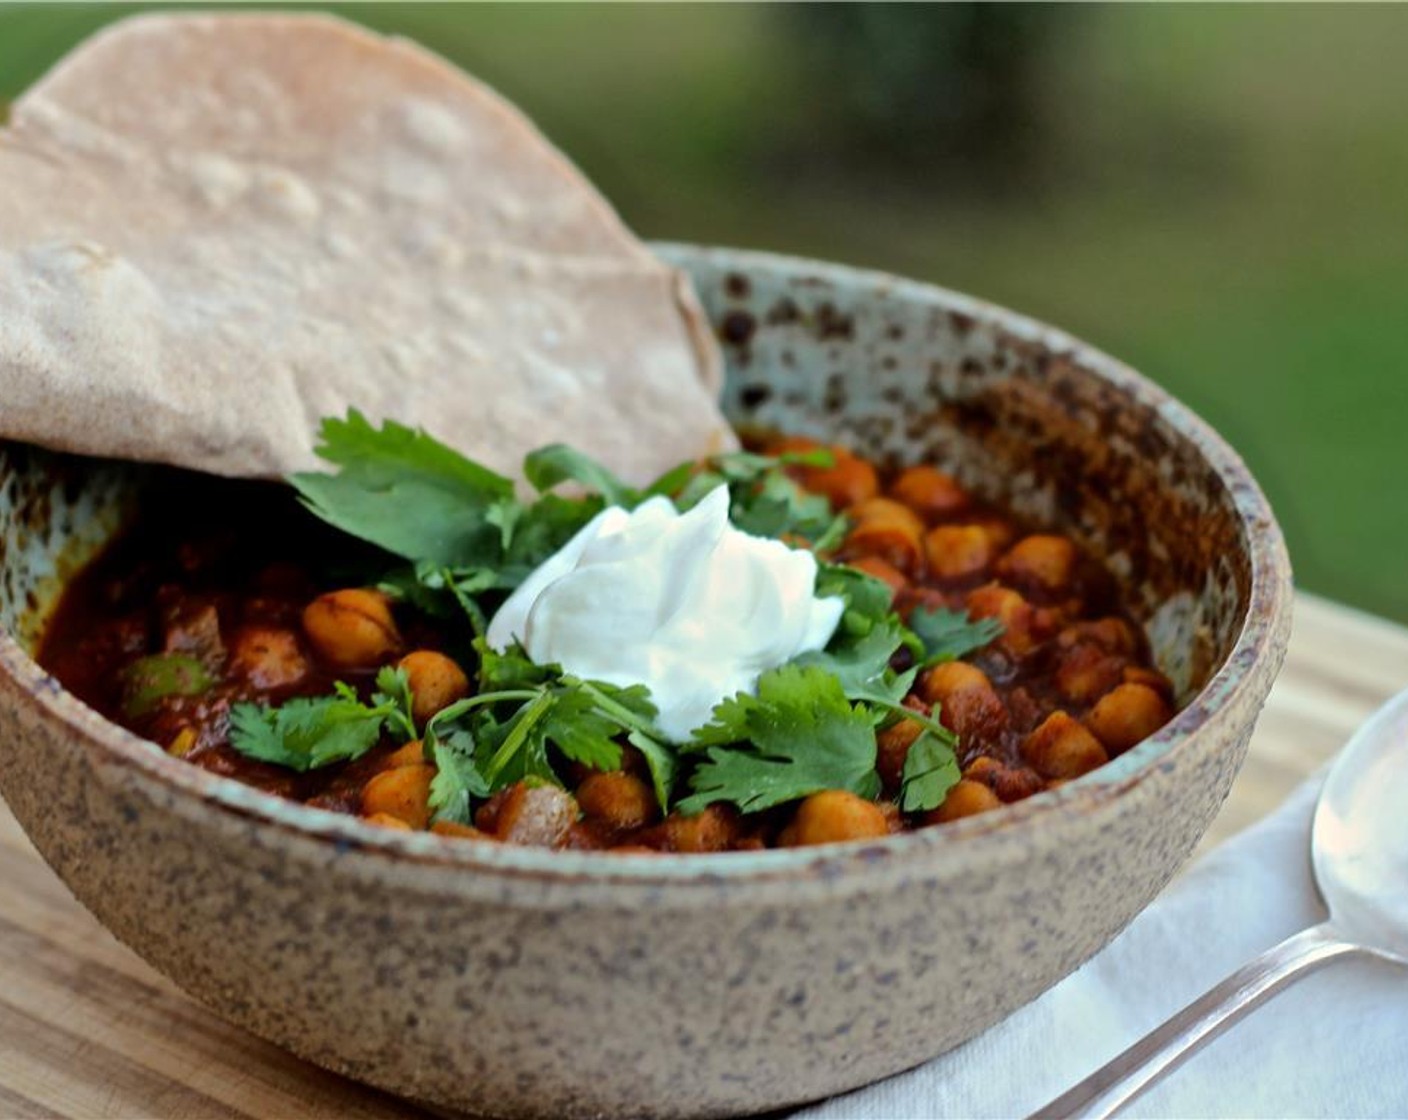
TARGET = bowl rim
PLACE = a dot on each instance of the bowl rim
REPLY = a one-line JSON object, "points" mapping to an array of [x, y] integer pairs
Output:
{"points": [[1262, 633]]}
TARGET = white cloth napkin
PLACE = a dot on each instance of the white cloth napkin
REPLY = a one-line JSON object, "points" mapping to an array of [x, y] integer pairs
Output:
{"points": [[1335, 1044]]}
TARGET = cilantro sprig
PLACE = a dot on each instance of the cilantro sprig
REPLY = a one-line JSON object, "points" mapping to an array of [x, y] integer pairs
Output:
{"points": [[308, 733], [524, 718], [948, 635], [799, 735]]}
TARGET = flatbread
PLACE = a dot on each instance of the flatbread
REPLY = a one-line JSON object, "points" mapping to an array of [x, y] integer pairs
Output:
{"points": [[217, 229]]}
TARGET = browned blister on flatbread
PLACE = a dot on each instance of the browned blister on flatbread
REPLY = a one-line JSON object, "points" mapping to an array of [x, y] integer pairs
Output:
{"points": [[216, 229]]}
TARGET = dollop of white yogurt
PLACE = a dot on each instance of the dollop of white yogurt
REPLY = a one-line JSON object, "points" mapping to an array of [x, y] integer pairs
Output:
{"points": [[684, 603]]}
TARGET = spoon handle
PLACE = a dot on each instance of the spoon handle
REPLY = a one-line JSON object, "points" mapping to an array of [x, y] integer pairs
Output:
{"points": [[1124, 1077]]}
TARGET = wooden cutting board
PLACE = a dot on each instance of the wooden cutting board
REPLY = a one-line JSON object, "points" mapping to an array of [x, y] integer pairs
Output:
{"points": [[88, 1030]]}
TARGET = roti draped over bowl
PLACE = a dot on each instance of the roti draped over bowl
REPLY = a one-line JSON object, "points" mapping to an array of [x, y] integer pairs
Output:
{"points": [[217, 229]]}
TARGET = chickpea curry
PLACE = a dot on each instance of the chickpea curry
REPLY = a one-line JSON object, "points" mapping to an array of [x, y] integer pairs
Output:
{"points": [[340, 652]]}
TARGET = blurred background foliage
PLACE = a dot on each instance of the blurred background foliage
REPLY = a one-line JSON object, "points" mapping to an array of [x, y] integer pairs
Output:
{"points": [[1218, 195]]}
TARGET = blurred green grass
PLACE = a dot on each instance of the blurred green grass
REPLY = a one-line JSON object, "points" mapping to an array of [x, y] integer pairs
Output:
{"points": [[1222, 201]]}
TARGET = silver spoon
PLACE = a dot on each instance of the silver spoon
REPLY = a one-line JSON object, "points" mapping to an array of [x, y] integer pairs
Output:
{"points": [[1359, 848]]}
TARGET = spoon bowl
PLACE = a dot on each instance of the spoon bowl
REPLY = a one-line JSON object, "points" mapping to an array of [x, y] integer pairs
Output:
{"points": [[1359, 845]]}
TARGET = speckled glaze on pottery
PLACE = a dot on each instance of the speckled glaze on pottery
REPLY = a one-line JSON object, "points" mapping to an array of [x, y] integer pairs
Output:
{"points": [[517, 982]]}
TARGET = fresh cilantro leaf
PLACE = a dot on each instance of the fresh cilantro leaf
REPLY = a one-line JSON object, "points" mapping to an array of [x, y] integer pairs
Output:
{"points": [[773, 505], [307, 733], [557, 463], [867, 599], [393, 693], [948, 635], [634, 713], [661, 760], [868, 607], [930, 771], [463, 588], [581, 732], [862, 665], [516, 749], [421, 586], [440, 592], [831, 537], [669, 484], [700, 485], [509, 668], [867, 639], [631, 707], [505, 515], [457, 780], [406, 492], [763, 499], [542, 529], [393, 449], [798, 736]]}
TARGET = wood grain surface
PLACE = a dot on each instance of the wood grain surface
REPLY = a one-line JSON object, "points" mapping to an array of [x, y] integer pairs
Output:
{"points": [[89, 1030]]}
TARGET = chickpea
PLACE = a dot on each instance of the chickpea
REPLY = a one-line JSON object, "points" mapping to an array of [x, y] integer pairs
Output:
{"points": [[462, 831], [486, 817], [948, 678], [882, 570], [619, 800], [983, 769], [895, 540], [1086, 672], [1126, 715], [1041, 561], [832, 816], [794, 445], [1013, 783], [847, 481], [402, 793], [715, 828], [1062, 748], [1000, 533], [892, 748], [1114, 635], [966, 700], [352, 628], [436, 682], [268, 657], [411, 754], [386, 820], [537, 816], [1022, 627], [958, 551], [886, 510], [965, 799], [931, 493], [1150, 678], [976, 715], [583, 836]]}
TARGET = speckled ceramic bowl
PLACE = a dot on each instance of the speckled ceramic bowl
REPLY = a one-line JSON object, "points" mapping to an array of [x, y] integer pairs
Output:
{"points": [[517, 982]]}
